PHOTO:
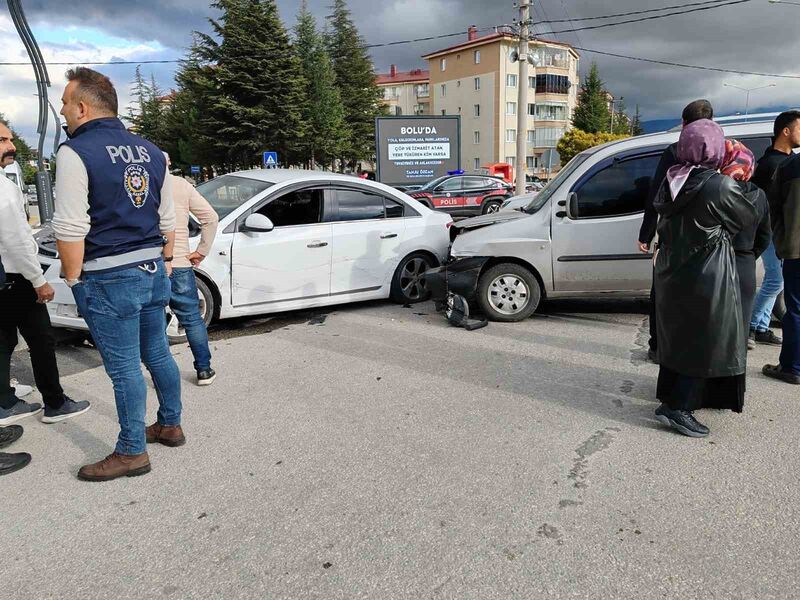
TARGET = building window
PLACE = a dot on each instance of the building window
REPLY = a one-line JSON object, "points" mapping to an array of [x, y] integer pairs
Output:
{"points": [[511, 135], [531, 136], [532, 82], [423, 91], [552, 84], [443, 64], [477, 110], [511, 108], [549, 111], [398, 111], [511, 80], [444, 112], [476, 137], [477, 164], [530, 162], [511, 160], [477, 55], [547, 137], [444, 90], [477, 83]]}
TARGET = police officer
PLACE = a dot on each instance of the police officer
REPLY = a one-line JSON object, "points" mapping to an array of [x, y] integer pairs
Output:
{"points": [[114, 223]]}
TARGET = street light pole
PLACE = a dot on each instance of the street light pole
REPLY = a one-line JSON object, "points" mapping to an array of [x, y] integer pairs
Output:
{"points": [[44, 187], [57, 121], [522, 96], [747, 97]]}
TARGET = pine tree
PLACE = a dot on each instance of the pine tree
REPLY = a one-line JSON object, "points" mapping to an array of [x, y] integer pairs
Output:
{"points": [[322, 107], [258, 97], [622, 122], [592, 114], [146, 111], [636, 123], [355, 78]]}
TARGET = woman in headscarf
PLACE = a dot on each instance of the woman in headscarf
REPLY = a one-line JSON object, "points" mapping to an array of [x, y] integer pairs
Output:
{"points": [[701, 329], [751, 242]]}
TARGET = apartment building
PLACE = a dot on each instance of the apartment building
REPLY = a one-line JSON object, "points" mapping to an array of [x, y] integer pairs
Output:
{"points": [[406, 92], [477, 80]]}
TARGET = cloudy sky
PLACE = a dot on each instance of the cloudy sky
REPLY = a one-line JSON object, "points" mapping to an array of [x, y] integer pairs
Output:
{"points": [[754, 36]]}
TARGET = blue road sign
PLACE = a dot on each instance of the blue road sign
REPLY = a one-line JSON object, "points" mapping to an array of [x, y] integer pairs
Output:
{"points": [[271, 160], [195, 169]]}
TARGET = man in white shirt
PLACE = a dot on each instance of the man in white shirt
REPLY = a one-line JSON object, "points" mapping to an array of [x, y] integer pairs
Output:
{"points": [[22, 308]]}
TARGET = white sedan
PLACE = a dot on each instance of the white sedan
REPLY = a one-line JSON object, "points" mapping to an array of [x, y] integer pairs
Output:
{"points": [[291, 239]]}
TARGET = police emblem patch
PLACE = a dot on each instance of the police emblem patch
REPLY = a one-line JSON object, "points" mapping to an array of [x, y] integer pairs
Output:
{"points": [[137, 184]]}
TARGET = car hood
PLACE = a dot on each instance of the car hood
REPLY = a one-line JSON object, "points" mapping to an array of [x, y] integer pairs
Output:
{"points": [[490, 219]]}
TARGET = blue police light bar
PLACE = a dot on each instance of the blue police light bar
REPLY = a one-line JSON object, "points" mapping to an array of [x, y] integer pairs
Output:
{"points": [[457, 172]]}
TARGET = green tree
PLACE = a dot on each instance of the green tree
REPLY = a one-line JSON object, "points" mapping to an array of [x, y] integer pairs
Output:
{"points": [[592, 114], [636, 123], [323, 109], [257, 90], [576, 140], [146, 111], [355, 78]]}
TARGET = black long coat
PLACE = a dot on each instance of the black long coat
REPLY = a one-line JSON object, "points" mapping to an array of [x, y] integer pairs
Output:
{"points": [[698, 300]]}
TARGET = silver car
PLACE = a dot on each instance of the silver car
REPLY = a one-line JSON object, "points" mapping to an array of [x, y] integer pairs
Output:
{"points": [[575, 238]]}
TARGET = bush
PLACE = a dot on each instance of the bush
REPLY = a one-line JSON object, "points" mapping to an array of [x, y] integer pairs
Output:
{"points": [[576, 141]]}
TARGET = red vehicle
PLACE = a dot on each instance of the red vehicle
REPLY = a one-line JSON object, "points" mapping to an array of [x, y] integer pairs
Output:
{"points": [[462, 195]]}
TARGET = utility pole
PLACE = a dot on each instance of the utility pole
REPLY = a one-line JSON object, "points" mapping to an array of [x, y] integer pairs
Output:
{"points": [[522, 95], [748, 90]]}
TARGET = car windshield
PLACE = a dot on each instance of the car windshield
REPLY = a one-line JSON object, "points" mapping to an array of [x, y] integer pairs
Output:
{"points": [[227, 193], [432, 184], [543, 196]]}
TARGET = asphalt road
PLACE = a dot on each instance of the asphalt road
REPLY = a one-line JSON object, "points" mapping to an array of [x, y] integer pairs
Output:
{"points": [[377, 452]]}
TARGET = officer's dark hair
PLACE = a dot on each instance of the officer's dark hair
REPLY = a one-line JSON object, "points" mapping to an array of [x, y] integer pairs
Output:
{"points": [[95, 88], [699, 109], [784, 120]]}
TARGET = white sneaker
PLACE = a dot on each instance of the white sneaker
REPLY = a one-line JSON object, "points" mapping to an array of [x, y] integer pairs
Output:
{"points": [[20, 390]]}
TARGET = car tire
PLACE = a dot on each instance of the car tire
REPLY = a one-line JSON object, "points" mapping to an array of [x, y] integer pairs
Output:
{"points": [[408, 282], [208, 308], [500, 289], [491, 206]]}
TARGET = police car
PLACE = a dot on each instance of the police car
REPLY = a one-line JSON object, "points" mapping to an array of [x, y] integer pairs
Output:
{"points": [[464, 195]]}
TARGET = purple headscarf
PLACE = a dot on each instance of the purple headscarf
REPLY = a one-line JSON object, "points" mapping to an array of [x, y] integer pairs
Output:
{"points": [[701, 145]]}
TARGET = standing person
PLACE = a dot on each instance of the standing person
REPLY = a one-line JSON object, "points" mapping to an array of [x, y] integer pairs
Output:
{"points": [[23, 310], [114, 204], [701, 333], [694, 111], [8, 435], [786, 138], [785, 208], [750, 242], [184, 301]]}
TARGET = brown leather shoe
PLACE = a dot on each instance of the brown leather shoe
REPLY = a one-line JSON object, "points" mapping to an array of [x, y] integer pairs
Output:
{"points": [[169, 435], [116, 465]]}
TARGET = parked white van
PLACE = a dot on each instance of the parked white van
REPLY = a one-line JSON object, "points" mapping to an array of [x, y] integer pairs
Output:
{"points": [[576, 238], [15, 174]]}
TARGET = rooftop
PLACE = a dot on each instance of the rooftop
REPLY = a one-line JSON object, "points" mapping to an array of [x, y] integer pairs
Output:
{"points": [[394, 76], [493, 37]]}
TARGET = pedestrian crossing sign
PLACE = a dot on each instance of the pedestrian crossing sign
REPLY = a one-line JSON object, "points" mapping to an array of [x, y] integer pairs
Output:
{"points": [[271, 160]]}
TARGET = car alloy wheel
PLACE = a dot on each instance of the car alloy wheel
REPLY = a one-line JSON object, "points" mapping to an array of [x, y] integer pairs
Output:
{"points": [[491, 207], [412, 279], [508, 294]]}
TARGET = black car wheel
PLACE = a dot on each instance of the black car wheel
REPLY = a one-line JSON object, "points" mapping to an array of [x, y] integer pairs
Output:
{"points": [[491, 206], [508, 292], [408, 283]]}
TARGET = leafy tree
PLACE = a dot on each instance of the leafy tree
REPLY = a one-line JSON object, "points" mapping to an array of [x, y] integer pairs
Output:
{"points": [[355, 78], [576, 140], [323, 109], [146, 111], [591, 114]]}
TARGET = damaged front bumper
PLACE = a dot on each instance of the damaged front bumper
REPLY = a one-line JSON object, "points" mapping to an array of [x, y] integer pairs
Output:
{"points": [[459, 276]]}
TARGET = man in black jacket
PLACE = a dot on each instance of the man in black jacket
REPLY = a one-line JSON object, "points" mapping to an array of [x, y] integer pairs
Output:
{"points": [[694, 111]]}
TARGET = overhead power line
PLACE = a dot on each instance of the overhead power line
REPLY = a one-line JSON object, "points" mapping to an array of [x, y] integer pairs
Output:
{"points": [[638, 12], [686, 66], [651, 18]]}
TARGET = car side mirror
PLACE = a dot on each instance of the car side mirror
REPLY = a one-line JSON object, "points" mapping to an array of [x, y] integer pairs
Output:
{"points": [[257, 223], [572, 205]]}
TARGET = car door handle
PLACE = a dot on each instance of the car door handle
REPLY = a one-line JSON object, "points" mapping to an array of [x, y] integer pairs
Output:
{"points": [[317, 245], [387, 236]]}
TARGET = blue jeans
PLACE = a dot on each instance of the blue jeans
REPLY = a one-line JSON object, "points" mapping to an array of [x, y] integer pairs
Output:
{"points": [[186, 306], [790, 352], [770, 288], [125, 312]]}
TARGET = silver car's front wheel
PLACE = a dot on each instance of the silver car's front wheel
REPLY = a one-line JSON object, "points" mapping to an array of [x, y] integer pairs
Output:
{"points": [[508, 292]]}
